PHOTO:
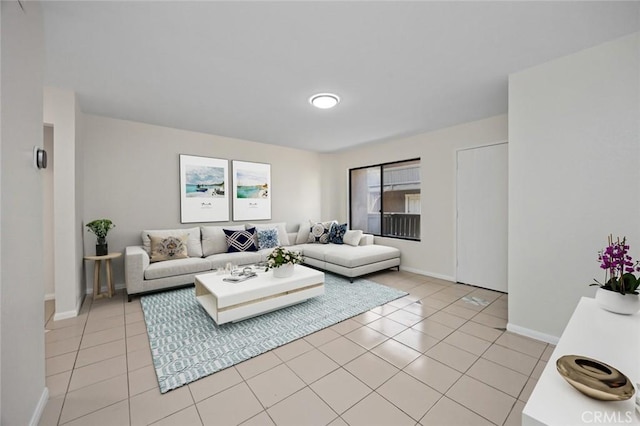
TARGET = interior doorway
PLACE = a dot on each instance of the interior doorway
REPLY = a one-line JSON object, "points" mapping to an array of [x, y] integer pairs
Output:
{"points": [[47, 218], [482, 216]]}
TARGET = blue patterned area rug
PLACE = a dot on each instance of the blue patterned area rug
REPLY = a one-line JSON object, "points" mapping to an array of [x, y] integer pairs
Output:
{"points": [[187, 345]]}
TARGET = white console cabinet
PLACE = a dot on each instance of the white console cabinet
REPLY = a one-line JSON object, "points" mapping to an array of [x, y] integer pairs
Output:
{"points": [[592, 332]]}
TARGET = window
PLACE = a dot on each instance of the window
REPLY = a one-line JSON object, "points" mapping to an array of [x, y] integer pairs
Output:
{"points": [[384, 199]]}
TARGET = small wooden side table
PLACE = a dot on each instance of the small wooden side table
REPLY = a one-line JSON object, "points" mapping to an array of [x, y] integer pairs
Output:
{"points": [[97, 288]]}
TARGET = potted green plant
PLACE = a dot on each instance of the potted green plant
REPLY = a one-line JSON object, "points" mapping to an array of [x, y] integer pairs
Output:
{"points": [[619, 291], [101, 228], [282, 261]]}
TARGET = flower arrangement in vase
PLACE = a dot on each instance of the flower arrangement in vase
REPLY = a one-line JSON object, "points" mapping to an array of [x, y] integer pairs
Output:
{"points": [[619, 290], [282, 261], [101, 227]]}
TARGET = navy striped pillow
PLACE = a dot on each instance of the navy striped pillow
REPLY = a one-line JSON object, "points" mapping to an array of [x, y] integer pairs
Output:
{"points": [[238, 241]]}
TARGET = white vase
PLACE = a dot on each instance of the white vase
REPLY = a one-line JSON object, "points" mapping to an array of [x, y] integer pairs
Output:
{"points": [[615, 302], [283, 271]]}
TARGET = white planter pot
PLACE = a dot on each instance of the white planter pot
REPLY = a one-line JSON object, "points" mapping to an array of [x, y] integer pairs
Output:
{"points": [[612, 301], [283, 271]]}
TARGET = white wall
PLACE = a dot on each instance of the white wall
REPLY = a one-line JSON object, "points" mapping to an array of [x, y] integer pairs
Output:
{"points": [[573, 178], [21, 277], [435, 254], [132, 177], [60, 111]]}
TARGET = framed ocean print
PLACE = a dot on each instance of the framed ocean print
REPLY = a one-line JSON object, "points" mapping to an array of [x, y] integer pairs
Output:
{"points": [[251, 190], [204, 195]]}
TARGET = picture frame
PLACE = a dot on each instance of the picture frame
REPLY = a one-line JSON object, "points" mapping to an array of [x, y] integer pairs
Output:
{"points": [[251, 191], [204, 189]]}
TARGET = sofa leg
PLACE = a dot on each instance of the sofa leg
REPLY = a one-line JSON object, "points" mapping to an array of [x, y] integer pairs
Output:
{"points": [[128, 298], [351, 280]]}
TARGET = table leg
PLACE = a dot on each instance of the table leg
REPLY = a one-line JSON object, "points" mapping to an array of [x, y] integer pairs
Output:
{"points": [[109, 278], [96, 279]]}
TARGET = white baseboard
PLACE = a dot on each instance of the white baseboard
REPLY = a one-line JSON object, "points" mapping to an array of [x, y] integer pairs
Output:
{"points": [[547, 338], [37, 413], [49, 296], [427, 273], [65, 315], [68, 314]]}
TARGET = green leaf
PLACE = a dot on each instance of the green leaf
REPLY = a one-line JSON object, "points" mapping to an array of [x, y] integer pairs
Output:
{"points": [[613, 283], [630, 283]]}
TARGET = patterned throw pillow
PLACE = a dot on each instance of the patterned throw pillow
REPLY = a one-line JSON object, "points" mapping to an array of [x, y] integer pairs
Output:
{"points": [[319, 232], [168, 248], [337, 232], [268, 238], [238, 241]]}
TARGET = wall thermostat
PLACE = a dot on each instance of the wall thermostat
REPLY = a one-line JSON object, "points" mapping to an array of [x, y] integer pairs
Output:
{"points": [[40, 157]]}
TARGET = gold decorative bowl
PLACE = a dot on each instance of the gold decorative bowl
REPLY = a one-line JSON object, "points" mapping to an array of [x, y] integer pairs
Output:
{"points": [[594, 378]]}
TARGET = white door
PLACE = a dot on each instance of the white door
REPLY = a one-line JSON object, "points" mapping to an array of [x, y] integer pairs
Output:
{"points": [[412, 203], [482, 187]]}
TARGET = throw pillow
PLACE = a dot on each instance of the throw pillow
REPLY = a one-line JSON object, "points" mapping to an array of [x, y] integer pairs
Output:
{"points": [[268, 238], [303, 233], [214, 240], [168, 248], [352, 237], [194, 247], [337, 232], [283, 237], [319, 232], [238, 241]]}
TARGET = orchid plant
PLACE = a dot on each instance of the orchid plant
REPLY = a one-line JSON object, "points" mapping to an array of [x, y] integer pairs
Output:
{"points": [[619, 267], [281, 256]]}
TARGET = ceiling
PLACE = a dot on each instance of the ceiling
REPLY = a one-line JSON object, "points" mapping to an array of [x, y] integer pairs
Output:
{"points": [[247, 69]]}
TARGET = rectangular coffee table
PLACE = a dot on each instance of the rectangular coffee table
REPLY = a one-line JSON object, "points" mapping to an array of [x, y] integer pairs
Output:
{"points": [[228, 301]]}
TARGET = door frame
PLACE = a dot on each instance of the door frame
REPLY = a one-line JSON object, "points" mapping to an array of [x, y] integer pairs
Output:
{"points": [[455, 199]]}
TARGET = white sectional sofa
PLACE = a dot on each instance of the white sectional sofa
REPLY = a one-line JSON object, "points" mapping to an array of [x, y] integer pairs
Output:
{"points": [[207, 251]]}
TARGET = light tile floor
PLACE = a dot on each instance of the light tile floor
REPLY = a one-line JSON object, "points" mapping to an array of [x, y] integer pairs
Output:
{"points": [[430, 358]]}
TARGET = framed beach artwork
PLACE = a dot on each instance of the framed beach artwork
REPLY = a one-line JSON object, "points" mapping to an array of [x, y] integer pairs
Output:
{"points": [[204, 195], [251, 191]]}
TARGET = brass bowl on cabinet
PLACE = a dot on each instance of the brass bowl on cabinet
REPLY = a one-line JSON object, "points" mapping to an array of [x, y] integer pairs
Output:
{"points": [[594, 378]]}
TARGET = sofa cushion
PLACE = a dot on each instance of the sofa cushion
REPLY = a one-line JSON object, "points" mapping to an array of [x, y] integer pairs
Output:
{"points": [[283, 237], [170, 268], [352, 257], [237, 258], [337, 232], [316, 251], [241, 240], [194, 248], [319, 232], [352, 237], [214, 240], [268, 238], [168, 248]]}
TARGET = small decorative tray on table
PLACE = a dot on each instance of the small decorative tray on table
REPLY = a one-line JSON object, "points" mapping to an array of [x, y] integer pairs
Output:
{"points": [[246, 273]]}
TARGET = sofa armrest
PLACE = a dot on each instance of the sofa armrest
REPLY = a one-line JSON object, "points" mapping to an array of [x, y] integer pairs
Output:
{"points": [[136, 261], [366, 240]]}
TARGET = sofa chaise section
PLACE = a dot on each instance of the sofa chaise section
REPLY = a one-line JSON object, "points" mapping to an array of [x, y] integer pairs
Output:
{"points": [[350, 261]]}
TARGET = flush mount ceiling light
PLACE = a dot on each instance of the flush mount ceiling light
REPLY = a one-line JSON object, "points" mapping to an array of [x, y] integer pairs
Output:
{"points": [[324, 100]]}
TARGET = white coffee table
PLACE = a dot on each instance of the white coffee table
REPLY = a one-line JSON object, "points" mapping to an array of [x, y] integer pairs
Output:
{"points": [[228, 301]]}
